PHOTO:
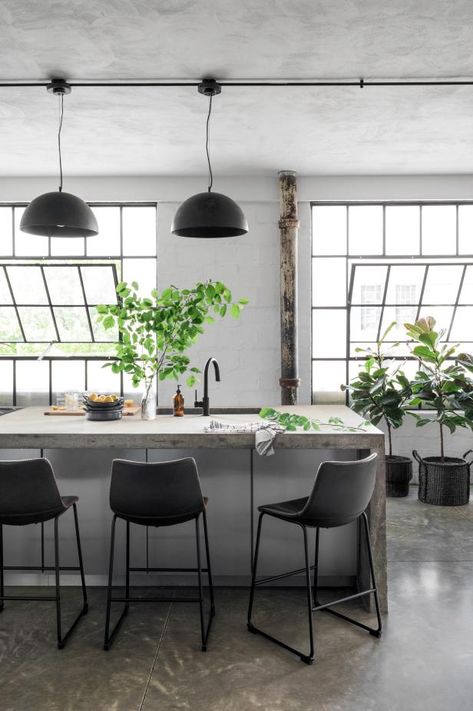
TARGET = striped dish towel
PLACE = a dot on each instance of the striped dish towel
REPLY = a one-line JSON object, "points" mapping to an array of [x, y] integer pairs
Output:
{"points": [[265, 432]]}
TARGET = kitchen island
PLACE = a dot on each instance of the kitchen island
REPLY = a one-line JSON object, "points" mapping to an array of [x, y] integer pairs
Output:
{"points": [[234, 477]]}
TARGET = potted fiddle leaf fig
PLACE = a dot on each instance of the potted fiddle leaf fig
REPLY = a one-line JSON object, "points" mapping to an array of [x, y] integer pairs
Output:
{"points": [[380, 392], [443, 385], [157, 330]]}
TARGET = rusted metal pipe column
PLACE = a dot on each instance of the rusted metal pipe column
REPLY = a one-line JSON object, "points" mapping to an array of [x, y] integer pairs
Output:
{"points": [[288, 227]]}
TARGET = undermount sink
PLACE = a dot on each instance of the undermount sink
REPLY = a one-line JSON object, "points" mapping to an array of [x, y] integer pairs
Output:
{"points": [[7, 410], [213, 410]]}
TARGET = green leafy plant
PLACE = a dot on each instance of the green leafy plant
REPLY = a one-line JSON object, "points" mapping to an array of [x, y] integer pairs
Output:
{"points": [[380, 390], [291, 421], [156, 331], [440, 384]]}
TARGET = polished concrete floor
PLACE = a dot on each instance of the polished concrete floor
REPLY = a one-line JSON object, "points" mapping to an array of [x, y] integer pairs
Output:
{"points": [[424, 662]]}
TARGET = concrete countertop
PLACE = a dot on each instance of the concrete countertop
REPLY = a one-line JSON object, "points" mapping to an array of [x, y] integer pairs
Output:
{"points": [[29, 428]]}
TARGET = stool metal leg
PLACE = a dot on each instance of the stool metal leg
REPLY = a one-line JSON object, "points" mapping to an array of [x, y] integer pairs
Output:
{"points": [[85, 606], [204, 631], [209, 569], [127, 572], [42, 546], [327, 607], [2, 589], [199, 576], [61, 640], [306, 658], [109, 637], [316, 566]]}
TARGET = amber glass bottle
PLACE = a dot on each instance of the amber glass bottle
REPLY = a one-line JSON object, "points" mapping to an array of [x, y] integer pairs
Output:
{"points": [[178, 403]]}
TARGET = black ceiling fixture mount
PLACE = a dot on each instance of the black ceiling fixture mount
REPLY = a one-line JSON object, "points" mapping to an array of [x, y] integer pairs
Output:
{"points": [[59, 214], [209, 215]]}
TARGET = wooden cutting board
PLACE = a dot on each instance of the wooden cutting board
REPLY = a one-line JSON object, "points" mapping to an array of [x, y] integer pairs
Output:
{"points": [[127, 411]]}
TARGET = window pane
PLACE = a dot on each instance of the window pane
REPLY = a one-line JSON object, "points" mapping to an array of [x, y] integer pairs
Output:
{"points": [[37, 323], [364, 323], [365, 229], [64, 285], [465, 229], [397, 349], [441, 314], [9, 326], [442, 284], [139, 231], [67, 375], [143, 271], [109, 335], [32, 382], [101, 380], [5, 296], [28, 285], [329, 282], [327, 376], [99, 285], [27, 245], [368, 284], [6, 232], [466, 296], [72, 247], [72, 324], [329, 229], [462, 325], [129, 391], [402, 229], [405, 284], [401, 315], [6, 382], [439, 229], [328, 333], [107, 242]]}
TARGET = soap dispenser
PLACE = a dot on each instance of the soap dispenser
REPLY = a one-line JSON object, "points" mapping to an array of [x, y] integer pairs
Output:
{"points": [[178, 403]]}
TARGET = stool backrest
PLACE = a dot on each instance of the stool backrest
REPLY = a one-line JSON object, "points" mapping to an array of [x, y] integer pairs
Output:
{"points": [[28, 490], [156, 490], [341, 491]]}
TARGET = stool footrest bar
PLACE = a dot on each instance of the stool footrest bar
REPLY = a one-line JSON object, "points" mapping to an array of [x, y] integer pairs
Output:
{"points": [[167, 570], [272, 578], [342, 599]]}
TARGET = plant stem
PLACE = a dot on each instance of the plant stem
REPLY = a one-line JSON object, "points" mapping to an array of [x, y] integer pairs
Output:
{"points": [[442, 453], [390, 441]]}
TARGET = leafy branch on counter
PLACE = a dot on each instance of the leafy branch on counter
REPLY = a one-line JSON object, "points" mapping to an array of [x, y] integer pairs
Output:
{"points": [[157, 330], [291, 421]]}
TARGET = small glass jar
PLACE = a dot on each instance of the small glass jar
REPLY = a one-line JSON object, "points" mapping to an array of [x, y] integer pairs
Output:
{"points": [[71, 401]]}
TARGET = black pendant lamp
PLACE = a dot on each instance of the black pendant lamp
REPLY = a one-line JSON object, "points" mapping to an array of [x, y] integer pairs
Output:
{"points": [[59, 214], [209, 215]]}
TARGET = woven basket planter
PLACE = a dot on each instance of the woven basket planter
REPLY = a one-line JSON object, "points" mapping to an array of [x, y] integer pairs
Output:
{"points": [[398, 475], [443, 483]]}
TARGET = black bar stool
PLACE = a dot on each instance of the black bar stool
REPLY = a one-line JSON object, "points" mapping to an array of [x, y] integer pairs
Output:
{"points": [[340, 495], [29, 494], [157, 494]]}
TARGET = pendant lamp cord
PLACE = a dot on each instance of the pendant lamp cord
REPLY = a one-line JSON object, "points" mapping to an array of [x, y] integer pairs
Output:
{"points": [[61, 114], [211, 179]]}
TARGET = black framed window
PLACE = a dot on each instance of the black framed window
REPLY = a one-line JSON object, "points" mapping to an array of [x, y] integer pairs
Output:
{"points": [[50, 341], [378, 262]]}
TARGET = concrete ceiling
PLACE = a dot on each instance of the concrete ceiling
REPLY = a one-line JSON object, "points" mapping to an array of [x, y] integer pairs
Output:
{"points": [[254, 131]]}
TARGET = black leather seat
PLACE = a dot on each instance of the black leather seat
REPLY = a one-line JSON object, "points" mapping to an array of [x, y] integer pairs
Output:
{"points": [[157, 494], [29, 494], [340, 495]]}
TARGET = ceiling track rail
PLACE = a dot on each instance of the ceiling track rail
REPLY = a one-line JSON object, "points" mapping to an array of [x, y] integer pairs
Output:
{"points": [[248, 83]]}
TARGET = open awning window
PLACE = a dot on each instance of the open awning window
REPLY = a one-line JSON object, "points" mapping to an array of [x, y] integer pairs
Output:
{"points": [[55, 302], [382, 293]]}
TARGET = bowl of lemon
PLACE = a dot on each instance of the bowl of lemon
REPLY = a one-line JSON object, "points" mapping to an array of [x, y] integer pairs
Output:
{"points": [[103, 406]]}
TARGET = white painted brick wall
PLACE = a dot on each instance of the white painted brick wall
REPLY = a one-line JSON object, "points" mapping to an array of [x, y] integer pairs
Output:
{"points": [[248, 349]]}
